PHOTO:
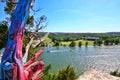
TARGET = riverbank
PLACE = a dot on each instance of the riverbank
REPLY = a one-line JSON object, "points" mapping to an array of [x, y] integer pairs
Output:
{"points": [[83, 42], [96, 75]]}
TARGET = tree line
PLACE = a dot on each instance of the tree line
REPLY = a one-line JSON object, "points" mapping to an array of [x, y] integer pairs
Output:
{"points": [[107, 42], [104, 38], [77, 36]]}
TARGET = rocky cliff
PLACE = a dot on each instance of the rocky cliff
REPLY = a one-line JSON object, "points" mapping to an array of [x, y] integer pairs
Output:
{"points": [[96, 75]]}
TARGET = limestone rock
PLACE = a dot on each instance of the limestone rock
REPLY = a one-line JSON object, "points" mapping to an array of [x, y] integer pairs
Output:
{"points": [[96, 75]]}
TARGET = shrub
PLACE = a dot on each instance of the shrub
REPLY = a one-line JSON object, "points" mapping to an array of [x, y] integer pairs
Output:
{"points": [[86, 44], [115, 73], [72, 44], [80, 44], [99, 42], [67, 74], [57, 43]]}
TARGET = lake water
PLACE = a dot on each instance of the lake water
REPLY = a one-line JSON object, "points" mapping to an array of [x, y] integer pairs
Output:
{"points": [[103, 58]]}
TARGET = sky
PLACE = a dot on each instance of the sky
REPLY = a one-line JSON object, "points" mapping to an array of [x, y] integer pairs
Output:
{"points": [[78, 15]]}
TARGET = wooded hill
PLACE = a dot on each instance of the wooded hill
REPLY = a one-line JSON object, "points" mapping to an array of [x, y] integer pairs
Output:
{"points": [[77, 36]]}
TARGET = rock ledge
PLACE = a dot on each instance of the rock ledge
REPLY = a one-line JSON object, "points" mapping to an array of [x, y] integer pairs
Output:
{"points": [[96, 75]]}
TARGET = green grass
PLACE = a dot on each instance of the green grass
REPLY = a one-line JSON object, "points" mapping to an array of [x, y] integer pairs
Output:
{"points": [[83, 42], [48, 41], [65, 43]]}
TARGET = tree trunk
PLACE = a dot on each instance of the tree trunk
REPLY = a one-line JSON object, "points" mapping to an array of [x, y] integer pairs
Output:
{"points": [[27, 49], [12, 67]]}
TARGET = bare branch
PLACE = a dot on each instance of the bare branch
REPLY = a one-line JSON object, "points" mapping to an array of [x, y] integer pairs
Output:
{"points": [[35, 11]]}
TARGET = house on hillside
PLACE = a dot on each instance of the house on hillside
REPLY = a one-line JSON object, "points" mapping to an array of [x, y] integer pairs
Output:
{"points": [[91, 38]]}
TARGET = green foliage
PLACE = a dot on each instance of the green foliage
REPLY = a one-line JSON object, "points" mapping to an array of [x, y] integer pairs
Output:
{"points": [[25, 40], [99, 42], [115, 73], [106, 42], [30, 21], [95, 43], [86, 44], [47, 75], [67, 43], [117, 41], [3, 34], [61, 38], [66, 38], [56, 43], [50, 76], [80, 44], [63, 74], [9, 8], [72, 44], [32, 51], [47, 68], [67, 74], [77, 36], [111, 41], [69, 39]]}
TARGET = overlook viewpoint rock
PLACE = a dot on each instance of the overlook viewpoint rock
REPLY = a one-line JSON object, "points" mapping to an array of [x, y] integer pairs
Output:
{"points": [[96, 75]]}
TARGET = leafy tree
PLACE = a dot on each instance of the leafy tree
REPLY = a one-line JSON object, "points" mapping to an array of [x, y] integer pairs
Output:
{"points": [[80, 44], [106, 42], [56, 43], [69, 39], [102, 36], [3, 34], [61, 38], [95, 43], [112, 41], [109, 42], [86, 43], [117, 41], [10, 7], [72, 44], [99, 42]]}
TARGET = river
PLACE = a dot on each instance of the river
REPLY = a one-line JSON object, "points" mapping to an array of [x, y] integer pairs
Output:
{"points": [[103, 58]]}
